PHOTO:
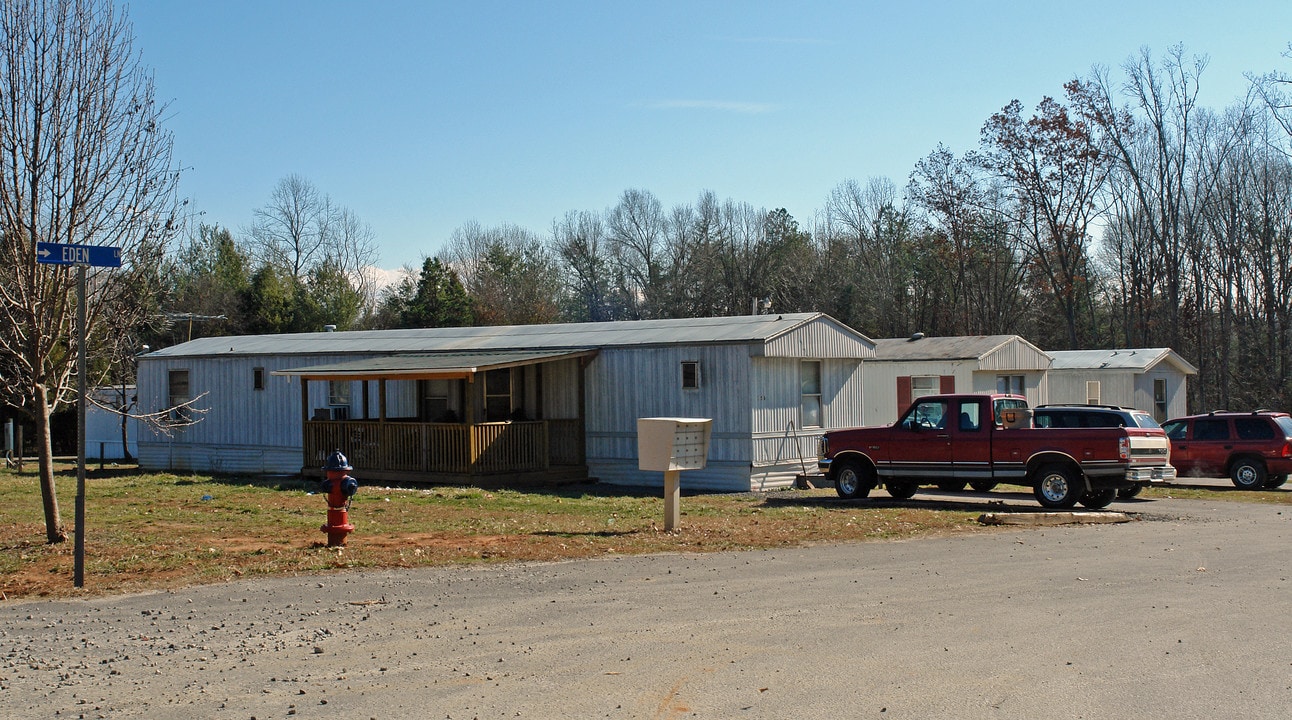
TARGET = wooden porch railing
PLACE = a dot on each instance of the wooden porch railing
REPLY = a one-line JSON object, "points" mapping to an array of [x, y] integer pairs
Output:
{"points": [[416, 447]]}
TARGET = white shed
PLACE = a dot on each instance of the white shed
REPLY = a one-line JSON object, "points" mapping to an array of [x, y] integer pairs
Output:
{"points": [[453, 404], [904, 369], [1154, 380]]}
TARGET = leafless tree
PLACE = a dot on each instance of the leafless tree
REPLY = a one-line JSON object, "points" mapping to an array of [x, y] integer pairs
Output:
{"points": [[84, 159]]}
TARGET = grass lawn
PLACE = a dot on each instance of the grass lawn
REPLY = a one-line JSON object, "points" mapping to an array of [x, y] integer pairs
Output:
{"points": [[151, 531]]}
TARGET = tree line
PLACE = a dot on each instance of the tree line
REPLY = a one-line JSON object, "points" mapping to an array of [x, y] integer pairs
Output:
{"points": [[1120, 213]]}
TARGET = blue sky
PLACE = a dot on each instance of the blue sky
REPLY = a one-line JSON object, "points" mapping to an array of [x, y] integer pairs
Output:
{"points": [[423, 116]]}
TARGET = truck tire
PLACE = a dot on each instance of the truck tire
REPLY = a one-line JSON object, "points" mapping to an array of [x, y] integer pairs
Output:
{"points": [[1130, 492], [1099, 499], [1274, 481], [1247, 473], [951, 485], [982, 486], [1057, 486], [902, 489], [852, 480]]}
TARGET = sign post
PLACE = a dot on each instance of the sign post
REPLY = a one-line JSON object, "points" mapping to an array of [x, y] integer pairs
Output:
{"points": [[81, 256]]}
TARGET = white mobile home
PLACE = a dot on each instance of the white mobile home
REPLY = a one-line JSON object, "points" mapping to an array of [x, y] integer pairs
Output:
{"points": [[905, 369], [452, 404], [1154, 380]]}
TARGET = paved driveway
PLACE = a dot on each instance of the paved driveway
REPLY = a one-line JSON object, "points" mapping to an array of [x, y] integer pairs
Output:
{"points": [[1182, 614]]}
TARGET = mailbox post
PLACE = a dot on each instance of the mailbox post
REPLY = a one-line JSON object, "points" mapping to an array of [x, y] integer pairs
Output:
{"points": [[670, 445]]}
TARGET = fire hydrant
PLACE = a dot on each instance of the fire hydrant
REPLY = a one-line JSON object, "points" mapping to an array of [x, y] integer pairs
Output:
{"points": [[340, 487]]}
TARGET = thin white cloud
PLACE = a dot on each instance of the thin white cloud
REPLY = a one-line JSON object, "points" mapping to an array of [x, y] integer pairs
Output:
{"points": [[746, 108]]}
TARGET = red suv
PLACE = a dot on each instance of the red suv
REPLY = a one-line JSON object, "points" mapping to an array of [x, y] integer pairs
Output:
{"points": [[1254, 449]]}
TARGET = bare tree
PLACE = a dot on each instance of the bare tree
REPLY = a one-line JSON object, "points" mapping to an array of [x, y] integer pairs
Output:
{"points": [[301, 229], [84, 160]]}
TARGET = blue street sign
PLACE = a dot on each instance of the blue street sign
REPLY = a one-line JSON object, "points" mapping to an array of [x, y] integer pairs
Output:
{"points": [[60, 254]]}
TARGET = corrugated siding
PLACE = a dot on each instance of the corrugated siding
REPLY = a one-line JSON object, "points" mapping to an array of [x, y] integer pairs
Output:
{"points": [[880, 381], [819, 338], [1015, 355], [1116, 387], [716, 476], [779, 439], [247, 459], [624, 385], [561, 390]]}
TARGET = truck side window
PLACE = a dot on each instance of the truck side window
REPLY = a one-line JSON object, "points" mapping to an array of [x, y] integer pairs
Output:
{"points": [[969, 417], [927, 416]]}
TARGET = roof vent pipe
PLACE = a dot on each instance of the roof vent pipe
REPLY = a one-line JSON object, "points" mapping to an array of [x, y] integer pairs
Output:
{"points": [[329, 328], [916, 336]]}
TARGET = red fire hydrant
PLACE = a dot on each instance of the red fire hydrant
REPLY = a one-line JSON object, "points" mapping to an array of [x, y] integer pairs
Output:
{"points": [[340, 487]]}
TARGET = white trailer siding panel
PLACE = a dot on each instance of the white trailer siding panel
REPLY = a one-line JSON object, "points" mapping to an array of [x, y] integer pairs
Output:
{"points": [[822, 337]]}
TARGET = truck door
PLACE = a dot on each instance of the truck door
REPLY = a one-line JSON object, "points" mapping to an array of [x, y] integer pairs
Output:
{"points": [[970, 441], [920, 443]]}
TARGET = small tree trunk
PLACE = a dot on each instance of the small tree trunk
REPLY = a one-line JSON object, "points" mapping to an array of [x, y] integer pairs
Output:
{"points": [[54, 530]]}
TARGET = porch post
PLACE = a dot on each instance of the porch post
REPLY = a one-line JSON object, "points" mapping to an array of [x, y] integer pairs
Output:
{"points": [[305, 416], [366, 414], [469, 412]]}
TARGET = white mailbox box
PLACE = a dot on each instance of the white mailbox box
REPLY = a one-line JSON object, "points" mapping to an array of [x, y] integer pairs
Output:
{"points": [[670, 445]]}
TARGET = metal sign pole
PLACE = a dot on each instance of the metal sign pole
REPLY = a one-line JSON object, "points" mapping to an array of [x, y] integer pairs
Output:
{"points": [[78, 573]]}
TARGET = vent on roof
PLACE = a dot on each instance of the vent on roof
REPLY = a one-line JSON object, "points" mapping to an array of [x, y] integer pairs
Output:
{"points": [[329, 328], [916, 336]]}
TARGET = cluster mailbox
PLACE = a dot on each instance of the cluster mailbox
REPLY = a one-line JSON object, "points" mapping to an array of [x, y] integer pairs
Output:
{"points": [[670, 445]]}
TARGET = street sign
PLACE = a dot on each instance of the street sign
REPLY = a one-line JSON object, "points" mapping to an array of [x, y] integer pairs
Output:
{"points": [[48, 253]]}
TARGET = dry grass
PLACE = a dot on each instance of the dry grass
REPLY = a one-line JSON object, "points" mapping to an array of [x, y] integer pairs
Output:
{"points": [[152, 531]]}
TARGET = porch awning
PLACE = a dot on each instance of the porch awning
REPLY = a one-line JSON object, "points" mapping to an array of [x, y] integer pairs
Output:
{"points": [[432, 366]]}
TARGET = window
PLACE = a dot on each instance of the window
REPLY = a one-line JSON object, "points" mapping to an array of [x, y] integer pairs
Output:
{"points": [[258, 378], [1256, 428], [1009, 384], [1159, 399], [1211, 429], [338, 392], [178, 394], [690, 375], [928, 415], [1092, 392], [927, 385], [498, 395], [968, 421], [810, 393]]}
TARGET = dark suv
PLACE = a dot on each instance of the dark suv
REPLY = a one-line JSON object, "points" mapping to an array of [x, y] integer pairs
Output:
{"points": [[1075, 416], [1072, 416], [1254, 449]]}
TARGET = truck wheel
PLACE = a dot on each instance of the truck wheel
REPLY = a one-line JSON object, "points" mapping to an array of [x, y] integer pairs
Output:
{"points": [[1098, 499], [902, 489], [1247, 474], [1056, 486], [852, 480], [982, 486], [1130, 492], [1275, 481], [951, 486]]}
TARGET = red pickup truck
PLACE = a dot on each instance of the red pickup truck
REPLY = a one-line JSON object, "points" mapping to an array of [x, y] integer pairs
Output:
{"points": [[985, 439]]}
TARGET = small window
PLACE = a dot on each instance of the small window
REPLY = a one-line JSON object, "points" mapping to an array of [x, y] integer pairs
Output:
{"points": [[338, 392], [690, 375], [1159, 399], [926, 385], [968, 420], [258, 378], [1092, 392], [1009, 384], [810, 392]]}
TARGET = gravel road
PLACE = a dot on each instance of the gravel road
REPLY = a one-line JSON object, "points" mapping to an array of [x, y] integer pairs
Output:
{"points": [[1181, 614]]}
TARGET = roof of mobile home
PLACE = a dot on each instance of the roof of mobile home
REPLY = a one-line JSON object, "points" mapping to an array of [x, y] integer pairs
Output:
{"points": [[784, 335]]}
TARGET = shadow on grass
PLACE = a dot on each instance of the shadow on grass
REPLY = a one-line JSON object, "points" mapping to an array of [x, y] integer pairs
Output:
{"points": [[590, 533]]}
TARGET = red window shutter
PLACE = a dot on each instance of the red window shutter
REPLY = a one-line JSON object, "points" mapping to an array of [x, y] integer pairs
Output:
{"points": [[947, 384], [903, 394]]}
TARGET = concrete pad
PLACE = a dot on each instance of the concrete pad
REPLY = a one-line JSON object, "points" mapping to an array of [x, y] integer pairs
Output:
{"points": [[1053, 518]]}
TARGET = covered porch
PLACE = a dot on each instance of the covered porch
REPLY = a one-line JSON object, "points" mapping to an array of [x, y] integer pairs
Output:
{"points": [[511, 415]]}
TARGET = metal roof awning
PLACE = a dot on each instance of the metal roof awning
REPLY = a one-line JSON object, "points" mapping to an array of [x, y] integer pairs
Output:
{"points": [[432, 366]]}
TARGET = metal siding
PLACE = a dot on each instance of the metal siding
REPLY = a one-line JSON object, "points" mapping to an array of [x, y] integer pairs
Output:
{"points": [[819, 338], [1015, 355], [624, 385], [561, 390]]}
